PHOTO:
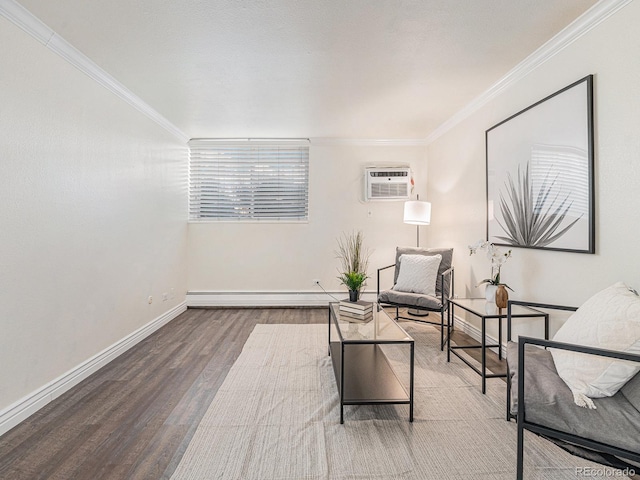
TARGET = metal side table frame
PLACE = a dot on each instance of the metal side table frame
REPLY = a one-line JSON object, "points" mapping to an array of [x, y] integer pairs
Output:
{"points": [[478, 307]]}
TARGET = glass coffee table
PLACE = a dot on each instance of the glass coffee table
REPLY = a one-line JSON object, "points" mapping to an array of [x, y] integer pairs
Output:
{"points": [[364, 374]]}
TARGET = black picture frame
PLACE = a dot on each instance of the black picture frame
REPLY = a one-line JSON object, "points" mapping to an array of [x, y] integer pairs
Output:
{"points": [[540, 174]]}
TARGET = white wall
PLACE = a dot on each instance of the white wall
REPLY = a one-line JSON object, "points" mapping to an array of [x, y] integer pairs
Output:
{"points": [[92, 207], [274, 257], [457, 172]]}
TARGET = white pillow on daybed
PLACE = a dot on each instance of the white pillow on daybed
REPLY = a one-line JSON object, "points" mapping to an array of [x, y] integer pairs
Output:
{"points": [[609, 320]]}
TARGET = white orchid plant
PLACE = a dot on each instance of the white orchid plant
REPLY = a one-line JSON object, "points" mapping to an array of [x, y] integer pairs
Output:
{"points": [[497, 257]]}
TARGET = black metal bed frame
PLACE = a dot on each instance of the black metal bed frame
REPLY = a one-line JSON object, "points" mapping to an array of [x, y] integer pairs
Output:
{"points": [[544, 431], [510, 330], [444, 301]]}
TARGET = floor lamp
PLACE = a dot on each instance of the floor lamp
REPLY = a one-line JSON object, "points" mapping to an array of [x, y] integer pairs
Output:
{"points": [[417, 213]]}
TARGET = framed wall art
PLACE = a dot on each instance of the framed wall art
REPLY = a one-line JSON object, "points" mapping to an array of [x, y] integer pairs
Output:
{"points": [[540, 183]]}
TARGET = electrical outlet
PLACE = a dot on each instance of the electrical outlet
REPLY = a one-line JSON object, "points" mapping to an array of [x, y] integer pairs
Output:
{"points": [[316, 281], [165, 297], [150, 299]]}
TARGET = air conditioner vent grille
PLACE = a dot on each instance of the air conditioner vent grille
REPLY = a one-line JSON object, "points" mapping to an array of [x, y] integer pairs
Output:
{"points": [[389, 190], [389, 174]]}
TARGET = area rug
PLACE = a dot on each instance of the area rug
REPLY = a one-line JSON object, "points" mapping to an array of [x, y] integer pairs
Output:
{"points": [[276, 416]]}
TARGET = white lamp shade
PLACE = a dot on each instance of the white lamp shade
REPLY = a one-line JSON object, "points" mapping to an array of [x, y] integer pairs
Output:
{"points": [[417, 212]]}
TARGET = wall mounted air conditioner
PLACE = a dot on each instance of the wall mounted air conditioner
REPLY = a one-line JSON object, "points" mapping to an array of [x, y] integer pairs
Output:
{"points": [[387, 183]]}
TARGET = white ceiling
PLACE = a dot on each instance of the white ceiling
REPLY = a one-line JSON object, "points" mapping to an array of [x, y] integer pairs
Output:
{"points": [[385, 69]]}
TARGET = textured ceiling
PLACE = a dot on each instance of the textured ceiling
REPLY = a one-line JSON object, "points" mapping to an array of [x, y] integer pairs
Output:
{"points": [[386, 69]]}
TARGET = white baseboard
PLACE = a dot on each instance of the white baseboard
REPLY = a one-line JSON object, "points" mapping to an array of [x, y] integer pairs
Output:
{"points": [[26, 406], [268, 299], [300, 299], [475, 333]]}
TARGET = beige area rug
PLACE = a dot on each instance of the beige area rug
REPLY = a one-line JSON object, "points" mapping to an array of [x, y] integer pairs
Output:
{"points": [[276, 416]]}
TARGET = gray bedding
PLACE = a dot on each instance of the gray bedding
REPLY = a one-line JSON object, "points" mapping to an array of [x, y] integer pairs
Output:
{"points": [[549, 402]]}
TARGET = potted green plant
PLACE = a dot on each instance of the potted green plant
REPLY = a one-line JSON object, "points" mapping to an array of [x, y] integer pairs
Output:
{"points": [[354, 261]]}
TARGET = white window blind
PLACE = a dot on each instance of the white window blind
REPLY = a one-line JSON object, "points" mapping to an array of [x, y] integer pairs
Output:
{"points": [[249, 180]]}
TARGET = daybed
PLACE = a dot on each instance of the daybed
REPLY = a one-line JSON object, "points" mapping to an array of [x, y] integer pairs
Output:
{"points": [[608, 434]]}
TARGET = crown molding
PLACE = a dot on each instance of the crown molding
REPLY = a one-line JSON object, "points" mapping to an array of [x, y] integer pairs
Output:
{"points": [[370, 142], [584, 23], [21, 17]]}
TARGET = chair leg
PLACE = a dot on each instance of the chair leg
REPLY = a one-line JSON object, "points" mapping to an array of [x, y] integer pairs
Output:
{"points": [[397, 313], [520, 460], [443, 339], [508, 410]]}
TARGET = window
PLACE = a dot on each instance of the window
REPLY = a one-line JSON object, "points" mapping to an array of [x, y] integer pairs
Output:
{"points": [[249, 180]]}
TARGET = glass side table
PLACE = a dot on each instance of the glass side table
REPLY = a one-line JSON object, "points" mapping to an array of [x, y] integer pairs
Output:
{"points": [[487, 311]]}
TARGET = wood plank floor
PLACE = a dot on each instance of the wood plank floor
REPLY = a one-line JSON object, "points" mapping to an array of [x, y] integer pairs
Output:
{"points": [[134, 418]]}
